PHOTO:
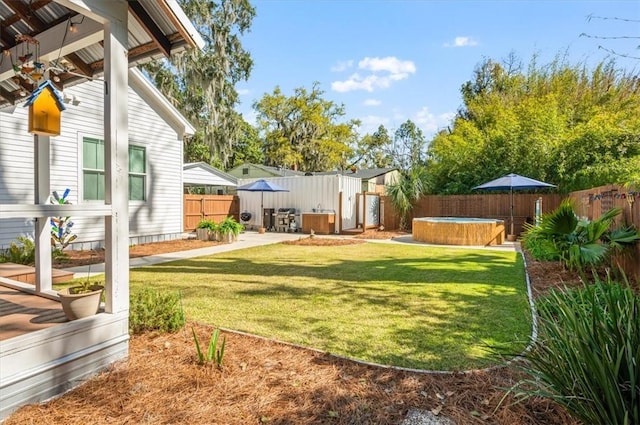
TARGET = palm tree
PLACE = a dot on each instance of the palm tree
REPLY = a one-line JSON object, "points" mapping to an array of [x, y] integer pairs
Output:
{"points": [[580, 242], [409, 187]]}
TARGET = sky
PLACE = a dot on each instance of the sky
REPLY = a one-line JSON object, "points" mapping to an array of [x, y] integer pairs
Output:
{"points": [[387, 61]]}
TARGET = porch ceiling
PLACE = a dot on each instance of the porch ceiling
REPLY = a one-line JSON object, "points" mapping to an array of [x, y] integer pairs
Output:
{"points": [[156, 28]]}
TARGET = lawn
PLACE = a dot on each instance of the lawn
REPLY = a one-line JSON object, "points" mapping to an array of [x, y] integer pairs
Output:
{"points": [[403, 305]]}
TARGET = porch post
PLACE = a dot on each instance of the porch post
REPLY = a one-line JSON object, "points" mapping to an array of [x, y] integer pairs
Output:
{"points": [[42, 228], [116, 158]]}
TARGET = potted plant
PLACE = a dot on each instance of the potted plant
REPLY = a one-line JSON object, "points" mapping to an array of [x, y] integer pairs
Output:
{"points": [[207, 230], [82, 300], [229, 229]]}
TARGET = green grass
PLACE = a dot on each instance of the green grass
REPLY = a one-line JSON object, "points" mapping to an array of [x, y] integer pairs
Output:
{"points": [[402, 305]]}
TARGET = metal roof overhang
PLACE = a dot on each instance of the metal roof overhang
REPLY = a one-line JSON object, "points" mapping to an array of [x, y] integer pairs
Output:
{"points": [[157, 28]]}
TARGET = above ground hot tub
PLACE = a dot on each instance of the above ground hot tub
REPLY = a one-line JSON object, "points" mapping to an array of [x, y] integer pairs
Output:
{"points": [[458, 231]]}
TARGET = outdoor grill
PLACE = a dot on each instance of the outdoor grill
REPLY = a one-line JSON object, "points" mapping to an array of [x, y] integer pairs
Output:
{"points": [[286, 220]]}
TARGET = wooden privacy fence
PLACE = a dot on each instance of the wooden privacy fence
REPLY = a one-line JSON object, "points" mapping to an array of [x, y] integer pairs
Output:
{"points": [[212, 207], [590, 203], [495, 206]]}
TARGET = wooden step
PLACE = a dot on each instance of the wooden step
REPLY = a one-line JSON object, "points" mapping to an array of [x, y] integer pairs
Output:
{"points": [[27, 274]]}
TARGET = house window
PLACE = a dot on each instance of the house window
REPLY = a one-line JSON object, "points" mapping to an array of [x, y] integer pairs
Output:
{"points": [[245, 171], [93, 171], [137, 173]]}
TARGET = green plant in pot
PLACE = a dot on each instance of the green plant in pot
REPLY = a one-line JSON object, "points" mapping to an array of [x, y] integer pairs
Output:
{"points": [[207, 230], [82, 300], [229, 229]]}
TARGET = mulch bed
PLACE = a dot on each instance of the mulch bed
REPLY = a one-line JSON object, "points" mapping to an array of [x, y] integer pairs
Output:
{"points": [[266, 382]]}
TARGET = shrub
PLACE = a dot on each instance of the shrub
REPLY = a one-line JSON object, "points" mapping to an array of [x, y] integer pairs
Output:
{"points": [[539, 246], [213, 353], [23, 251], [587, 357], [207, 224], [230, 226], [579, 243], [154, 310]]}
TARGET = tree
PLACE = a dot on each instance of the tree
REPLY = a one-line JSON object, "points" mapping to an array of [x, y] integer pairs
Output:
{"points": [[201, 83], [302, 131], [373, 150], [569, 125], [248, 148], [409, 147], [409, 187]]}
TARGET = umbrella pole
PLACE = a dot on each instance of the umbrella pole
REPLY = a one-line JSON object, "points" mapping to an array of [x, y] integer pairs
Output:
{"points": [[262, 209], [512, 212]]}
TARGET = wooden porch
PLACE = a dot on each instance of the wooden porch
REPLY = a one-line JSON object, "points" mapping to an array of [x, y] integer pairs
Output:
{"points": [[22, 313]]}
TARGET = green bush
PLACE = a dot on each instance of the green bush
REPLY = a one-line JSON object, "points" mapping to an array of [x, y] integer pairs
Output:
{"points": [[154, 310], [587, 356], [579, 243], [207, 224], [539, 246], [230, 226], [23, 251]]}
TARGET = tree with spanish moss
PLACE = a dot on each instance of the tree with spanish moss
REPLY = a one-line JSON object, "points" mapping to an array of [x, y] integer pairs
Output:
{"points": [[201, 83]]}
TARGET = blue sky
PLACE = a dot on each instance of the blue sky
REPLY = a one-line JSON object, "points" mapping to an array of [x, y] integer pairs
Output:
{"points": [[389, 61]]}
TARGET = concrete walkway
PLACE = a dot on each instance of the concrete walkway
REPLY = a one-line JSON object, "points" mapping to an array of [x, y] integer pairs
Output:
{"points": [[250, 239], [247, 239]]}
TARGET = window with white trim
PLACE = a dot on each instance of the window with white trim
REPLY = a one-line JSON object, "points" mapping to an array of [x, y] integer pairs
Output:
{"points": [[93, 181]]}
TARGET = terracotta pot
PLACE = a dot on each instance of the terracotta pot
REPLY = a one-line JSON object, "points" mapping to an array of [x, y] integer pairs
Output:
{"points": [[78, 306], [261, 230]]}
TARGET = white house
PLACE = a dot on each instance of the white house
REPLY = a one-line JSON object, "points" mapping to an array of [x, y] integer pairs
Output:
{"points": [[97, 40], [156, 130]]}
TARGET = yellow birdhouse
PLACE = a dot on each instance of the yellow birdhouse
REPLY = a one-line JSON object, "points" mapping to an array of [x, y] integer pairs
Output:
{"points": [[45, 105]]}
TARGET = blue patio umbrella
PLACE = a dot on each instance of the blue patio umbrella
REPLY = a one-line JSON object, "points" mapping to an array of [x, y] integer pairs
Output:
{"points": [[262, 186], [513, 182]]}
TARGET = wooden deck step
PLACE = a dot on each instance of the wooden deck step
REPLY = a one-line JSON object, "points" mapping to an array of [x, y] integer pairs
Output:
{"points": [[27, 274]]}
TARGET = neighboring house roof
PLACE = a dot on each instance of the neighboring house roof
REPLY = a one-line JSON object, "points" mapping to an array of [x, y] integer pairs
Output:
{"points": [[276, 171], [146, 90], [201, 173], [365, 174]]}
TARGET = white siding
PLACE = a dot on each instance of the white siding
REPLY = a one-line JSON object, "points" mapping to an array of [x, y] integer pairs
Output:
{"points": [[157, 218], [305, 193]]}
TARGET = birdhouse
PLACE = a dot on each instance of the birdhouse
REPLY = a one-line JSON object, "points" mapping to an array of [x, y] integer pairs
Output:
{"points": [[45, 105]]}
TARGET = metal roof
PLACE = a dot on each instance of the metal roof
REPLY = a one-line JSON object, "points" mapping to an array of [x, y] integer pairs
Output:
{"points": [[156, 28]]}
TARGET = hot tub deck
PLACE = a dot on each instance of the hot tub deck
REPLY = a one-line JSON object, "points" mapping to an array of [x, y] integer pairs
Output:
{"points": [[448, 231]]}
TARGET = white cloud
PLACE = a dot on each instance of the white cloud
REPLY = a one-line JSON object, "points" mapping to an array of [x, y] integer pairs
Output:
{"points": [[243, 92], [358, 82], [369, 124], [342, 66], [461, 42], [431, 123], [372, 102], [390, 64], [382, 72]]}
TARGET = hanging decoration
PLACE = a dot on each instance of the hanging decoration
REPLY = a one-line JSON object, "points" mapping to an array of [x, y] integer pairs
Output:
{"points": [[27, 64]]}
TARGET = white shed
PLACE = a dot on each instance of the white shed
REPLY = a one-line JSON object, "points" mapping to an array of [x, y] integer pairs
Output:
{"points": [[336, 194]]}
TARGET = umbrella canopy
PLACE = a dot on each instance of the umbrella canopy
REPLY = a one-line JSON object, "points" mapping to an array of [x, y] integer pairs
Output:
{"points": [[513, 182], [262, 186]]}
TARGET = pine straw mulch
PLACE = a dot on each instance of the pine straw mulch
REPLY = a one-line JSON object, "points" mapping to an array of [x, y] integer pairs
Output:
{"points": [[266, 382]]}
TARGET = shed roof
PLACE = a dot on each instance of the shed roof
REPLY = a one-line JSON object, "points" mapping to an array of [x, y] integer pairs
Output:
{"points": [[203, 174]]}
